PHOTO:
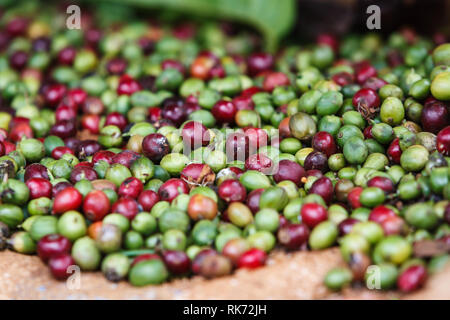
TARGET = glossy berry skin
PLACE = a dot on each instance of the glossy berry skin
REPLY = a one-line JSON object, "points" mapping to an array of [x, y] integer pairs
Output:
{"points": [[54, 94], [93, 37], [127, 85], [39, 187], [346, 226], [19, 131], [77, 96], [329, 40], [235, 248], [126, 158], [155, 146], [147, 199], [253, 200], [64, 129], [314, 173], [383, 183], [368, 132], [72, 143], [201, 67], [64, 112], [343, 78], [93, 105], [445, 239], [393, 225], [59, 266], [8, 147], [394, 152], [116, 119], [67, 55], [127, 207], [237, 171], [313, 214], [293, 236], [103, 155], [67, 199], [289, 170], [2, 149], [429, 101], [198, 260], [87, 148], [283, 221], [252, 259], [176, 261], [96, 205], [173, 64], [130, 187], [259, 162], [353, 197], [316, 160], [443, 141], [374, 83], [324, 188], [163, 123], [170, 189], [18, 60], [58, 152], [196, 174], [116, 66], [364, 72], [243, 103], [275, 79], [17, 26], [232, 190], [195, 135], [217, 71], [257, 138], [435, 116], [52, 245], [41, 44], [395, 58], [324, 142], [154, 114], [447, 213], [237, 146], [191, 107], [259, 62], [224, 111], [82, 172], [249, 92], [86, 164], [366, 98], [144, 257], [381, 213], [59, 187], [412, 278], [175, 112]]}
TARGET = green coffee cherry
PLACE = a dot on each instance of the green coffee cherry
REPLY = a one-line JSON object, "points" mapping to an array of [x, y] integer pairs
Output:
{"points": [[323, 235], [338, 278]]}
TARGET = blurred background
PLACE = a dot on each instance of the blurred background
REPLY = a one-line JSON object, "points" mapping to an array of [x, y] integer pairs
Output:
{"points": [[276, 20], [343, 16], [298, 20]]}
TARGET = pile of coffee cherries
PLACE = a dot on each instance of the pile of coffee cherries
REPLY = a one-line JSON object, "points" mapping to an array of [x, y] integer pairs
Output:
{"points": [[152, 151]]}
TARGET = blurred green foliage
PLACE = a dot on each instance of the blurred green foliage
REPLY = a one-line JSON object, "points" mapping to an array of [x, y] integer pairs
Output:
{"points": [[272, 18]]}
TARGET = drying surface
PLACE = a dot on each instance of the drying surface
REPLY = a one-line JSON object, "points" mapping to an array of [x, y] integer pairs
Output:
{"points": [[287, 276]]}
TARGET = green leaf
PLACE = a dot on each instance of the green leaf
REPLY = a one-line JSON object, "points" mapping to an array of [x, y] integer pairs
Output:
{"points": [[273, 18]]}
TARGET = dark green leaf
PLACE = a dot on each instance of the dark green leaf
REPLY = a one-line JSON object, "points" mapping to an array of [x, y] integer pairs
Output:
{"points": [[273, 18]]}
